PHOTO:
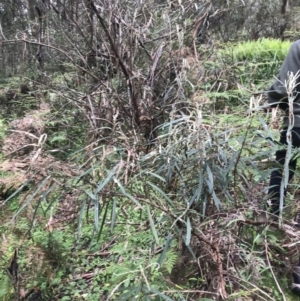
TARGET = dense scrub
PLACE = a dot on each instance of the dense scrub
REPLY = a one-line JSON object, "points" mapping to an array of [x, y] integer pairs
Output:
{"points": [[135, 152]]}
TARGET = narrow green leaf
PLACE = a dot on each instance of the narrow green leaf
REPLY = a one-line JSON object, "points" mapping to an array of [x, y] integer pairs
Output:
{"points": [[103, 221], [232, 162], [198, 191], [126, 194], [42, 199], [267, 129], [91, 195], [152, 226], [234, 221], [160, 294], [209, 185], [171, 123], [257, 237], [130, 295], [210, 181], [165, 249], [216, 201], [96, 213], [45, 194], [34, 214], [155, 175], [30, 198], [107, 179], [188, 232], [16, 192], [80, 220], [162, 193], [86, 173], [113, 215]]}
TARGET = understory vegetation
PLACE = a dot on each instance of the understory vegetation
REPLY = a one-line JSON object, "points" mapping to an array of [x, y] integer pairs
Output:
{"points": [[136, 152]]}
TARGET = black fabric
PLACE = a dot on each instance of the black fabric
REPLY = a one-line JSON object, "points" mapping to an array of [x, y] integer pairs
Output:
{"points": [[296, 277], [296, 290], [276, 175], [277, 94]]}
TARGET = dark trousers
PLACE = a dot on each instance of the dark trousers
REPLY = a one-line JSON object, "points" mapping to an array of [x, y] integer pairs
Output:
{"points": [[276, 175]]}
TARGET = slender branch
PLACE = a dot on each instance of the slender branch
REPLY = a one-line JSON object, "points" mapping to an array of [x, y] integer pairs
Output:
{"points": [[274, 277], [63, 52], [126, 72]]}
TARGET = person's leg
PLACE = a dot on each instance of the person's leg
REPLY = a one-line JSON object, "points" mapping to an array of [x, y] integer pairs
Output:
{"points": [[275, 182], [274, 192], [296, 270], [276, 175], [296, 277]]}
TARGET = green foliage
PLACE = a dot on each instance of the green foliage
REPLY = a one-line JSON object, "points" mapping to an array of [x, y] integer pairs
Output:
{"points": [[67, 133], [254, 62], [59, 138], [6, 288], [261, 50], [237, 69], [162, 197], [122, 273]]}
